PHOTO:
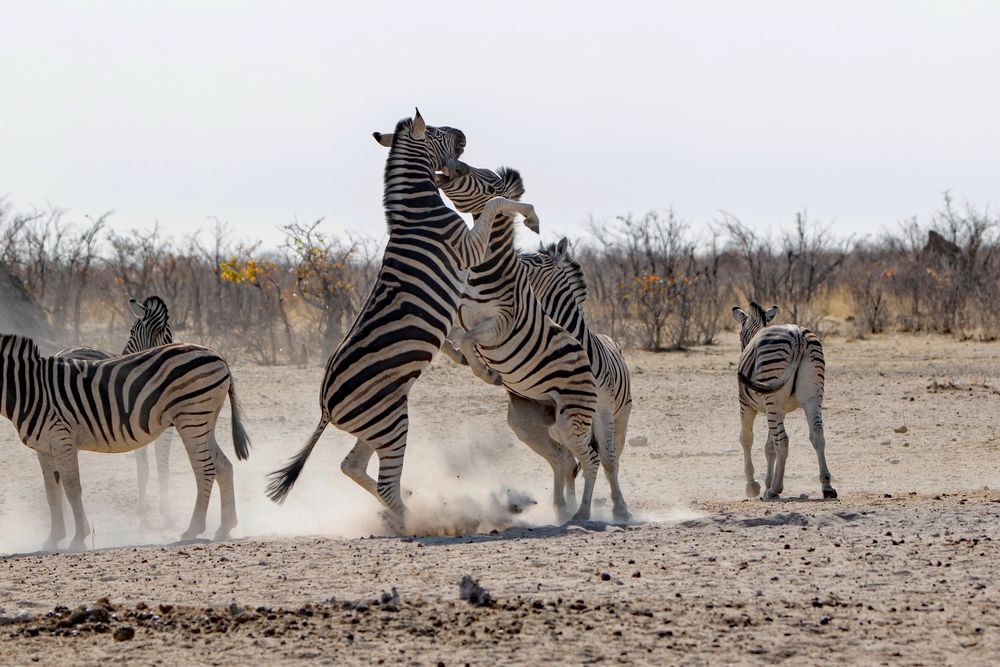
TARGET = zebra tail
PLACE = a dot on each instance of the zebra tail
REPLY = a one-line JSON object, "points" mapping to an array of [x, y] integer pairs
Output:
{"points": [[774, 385], [241, 443], [283, 479]]}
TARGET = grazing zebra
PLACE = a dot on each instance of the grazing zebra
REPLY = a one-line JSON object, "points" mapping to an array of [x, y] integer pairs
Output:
{"points": [[558, 283], [150, 329], [412, 306], [508, 339], [781, 368], [61, 406]]}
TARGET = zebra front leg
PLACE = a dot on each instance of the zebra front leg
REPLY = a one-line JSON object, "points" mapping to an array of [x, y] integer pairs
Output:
{"points": [[162, 451], [779, 441], [53, 494], [475, 243], [485, 330], [747, 417], [604, 429], [814, 414], [69, 475], [452, 352], [142, 479]]}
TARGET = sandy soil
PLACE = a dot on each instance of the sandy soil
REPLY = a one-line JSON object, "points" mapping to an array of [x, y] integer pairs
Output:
{"points": [[900, 570]]}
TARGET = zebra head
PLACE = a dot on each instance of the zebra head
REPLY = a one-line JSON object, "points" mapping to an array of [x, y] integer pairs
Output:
{"points": [[152, 326], [443, 143], [751, 323], [556, 277], [470, 188]]}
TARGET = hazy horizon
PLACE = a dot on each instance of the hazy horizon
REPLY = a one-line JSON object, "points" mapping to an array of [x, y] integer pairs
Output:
{"points": [[258, 114]]}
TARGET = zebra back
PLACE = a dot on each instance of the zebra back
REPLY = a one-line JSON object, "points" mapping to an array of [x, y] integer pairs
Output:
{"points": [[771, 354]]}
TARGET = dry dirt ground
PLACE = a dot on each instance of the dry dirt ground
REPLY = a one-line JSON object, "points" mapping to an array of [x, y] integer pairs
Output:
{"points": [[901, 569]]}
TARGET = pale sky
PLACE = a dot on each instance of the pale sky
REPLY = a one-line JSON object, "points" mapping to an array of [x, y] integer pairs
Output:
{"points": [[260, 112]]}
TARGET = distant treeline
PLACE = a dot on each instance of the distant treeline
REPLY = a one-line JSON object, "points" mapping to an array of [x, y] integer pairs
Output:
{"points": [[655, 282]]}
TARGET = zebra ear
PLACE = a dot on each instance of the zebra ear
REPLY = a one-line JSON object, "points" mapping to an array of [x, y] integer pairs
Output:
{"points": [[739, 315], [771, 312], [418, 128], [562, 246], [137, 308], [384, 139]]}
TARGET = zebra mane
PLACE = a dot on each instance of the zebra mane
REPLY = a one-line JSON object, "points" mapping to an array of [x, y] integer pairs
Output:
{"points": [[566, 264], [511, 183], [757, 312], [16, 343]]}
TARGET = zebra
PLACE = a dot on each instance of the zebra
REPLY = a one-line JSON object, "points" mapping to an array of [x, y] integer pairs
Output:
{"points": [[150, 329], [404, 321], [508, 339], [557, 282], [781, 368], [60, 406]]}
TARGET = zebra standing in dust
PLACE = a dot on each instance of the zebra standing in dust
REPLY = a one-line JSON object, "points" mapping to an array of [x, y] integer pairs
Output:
{"points": [[781, 368], [60, 406], [403, 323], [506, 335], [558, 283], [150, 329], [557, 280]]}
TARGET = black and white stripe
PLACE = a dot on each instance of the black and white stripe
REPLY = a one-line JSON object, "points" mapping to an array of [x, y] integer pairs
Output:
{"points": [[781, 368], [404, 321], [60, 406], [150, 329], [507, 335]]}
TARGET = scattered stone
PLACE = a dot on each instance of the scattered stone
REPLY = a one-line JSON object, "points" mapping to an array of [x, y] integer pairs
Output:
{"points": [[124, 633], [470, 590], [901, 429], [605, 576], [391, 601]]}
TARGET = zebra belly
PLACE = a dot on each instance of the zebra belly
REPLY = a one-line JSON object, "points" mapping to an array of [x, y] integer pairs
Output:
{"points": [[544, 374]]}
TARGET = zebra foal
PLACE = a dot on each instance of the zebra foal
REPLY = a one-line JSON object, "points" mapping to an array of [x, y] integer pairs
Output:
{"points": [[781, 368], [60, 406], [150, 329]]}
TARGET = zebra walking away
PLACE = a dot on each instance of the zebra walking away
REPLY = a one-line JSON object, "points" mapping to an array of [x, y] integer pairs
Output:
{"points": [[781, 368], [60, 406], [403, 323], [150, 329]]}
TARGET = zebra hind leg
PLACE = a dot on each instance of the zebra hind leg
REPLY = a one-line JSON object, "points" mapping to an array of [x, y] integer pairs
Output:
{"points": [[142, 480], [355, 466], [69, 475], [604, 428], [779, 441], [573, 431], [53, 494], [203, 464], [162, 452], [530, 422], [814, 415], [224, 478], [746, 442]]}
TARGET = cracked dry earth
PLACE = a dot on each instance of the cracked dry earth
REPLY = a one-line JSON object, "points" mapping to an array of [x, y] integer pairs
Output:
{"points": [[901, 569]]}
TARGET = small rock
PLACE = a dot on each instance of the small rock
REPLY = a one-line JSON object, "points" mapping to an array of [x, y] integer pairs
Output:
{"points": [[887, 441], [124, 633], [901, 429], [605, 576], [470, 590]]}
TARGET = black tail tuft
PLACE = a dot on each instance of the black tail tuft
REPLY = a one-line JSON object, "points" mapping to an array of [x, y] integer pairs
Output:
{"points": [[283, 479], [241, 443]]}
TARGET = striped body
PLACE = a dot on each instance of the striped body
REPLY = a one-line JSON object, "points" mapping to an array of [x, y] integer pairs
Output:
{"points": [[404, 321], [60, 406], [150, 329], [506, 327], [781, 368]]}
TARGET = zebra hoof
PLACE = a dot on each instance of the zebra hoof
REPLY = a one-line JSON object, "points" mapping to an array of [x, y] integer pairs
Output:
{"points": [[77, 545], [768, 495], [581, 515], [830, 493], [753, 490], [622, 516]]}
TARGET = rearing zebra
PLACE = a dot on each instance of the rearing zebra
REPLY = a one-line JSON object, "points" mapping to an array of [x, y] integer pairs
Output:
{"points": [[504, 325], [403, 323], [781, 368], [150, 329], [557, 282], [60, 406]]}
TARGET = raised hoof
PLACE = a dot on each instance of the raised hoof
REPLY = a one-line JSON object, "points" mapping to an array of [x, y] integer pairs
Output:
{"points": [[830, 493], [753, 490]]}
